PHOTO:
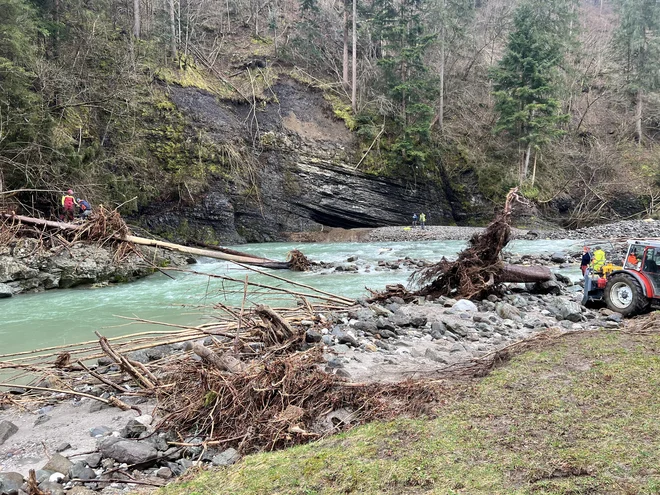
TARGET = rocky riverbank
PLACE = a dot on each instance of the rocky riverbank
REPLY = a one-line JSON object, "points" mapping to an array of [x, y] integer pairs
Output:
{"points": [[78, 444], [25, 266], [629, 229]]}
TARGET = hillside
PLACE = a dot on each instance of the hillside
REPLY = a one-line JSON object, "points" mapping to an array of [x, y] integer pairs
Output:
{"points": [[575, 414], [236, 121]]}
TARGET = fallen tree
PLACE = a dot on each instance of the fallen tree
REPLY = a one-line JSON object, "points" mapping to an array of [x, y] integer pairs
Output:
{"points": [[108, 225], [479, 269]]}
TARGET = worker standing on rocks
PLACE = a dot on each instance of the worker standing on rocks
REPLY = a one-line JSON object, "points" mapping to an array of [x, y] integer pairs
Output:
{"points": [[586, 259], [414, 224], [68, 205], [598, 259], [422, 220]]}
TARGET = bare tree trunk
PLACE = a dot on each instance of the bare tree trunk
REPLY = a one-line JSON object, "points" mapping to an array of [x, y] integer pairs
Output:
{"points": [[172, 29], [638, 117], [534, 169], [441, 109], [354, 88], [136, 18], [345, 59], [526, 165]]}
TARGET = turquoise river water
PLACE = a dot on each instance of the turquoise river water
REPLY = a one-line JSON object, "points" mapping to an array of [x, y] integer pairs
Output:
{"points": [[66, 316]]}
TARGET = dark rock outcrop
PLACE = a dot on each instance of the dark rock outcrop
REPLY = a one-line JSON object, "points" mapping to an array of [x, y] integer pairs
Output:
{"points": [[303, 178]]}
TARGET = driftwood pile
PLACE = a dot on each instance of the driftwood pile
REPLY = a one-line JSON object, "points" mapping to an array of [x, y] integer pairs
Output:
{"points": [[479, 269], [255, 384], [106, 227]]}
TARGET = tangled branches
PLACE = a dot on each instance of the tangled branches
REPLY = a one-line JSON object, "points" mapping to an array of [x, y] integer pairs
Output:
{"points": [[298, 262], [280, 402], [475, 272]]}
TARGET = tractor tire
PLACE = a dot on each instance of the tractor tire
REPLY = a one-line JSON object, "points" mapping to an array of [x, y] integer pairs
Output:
{"points": [[624, 295]]}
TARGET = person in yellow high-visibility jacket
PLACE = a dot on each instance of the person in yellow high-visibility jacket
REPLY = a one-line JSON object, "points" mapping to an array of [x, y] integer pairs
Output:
{"points": [[598, 259]]}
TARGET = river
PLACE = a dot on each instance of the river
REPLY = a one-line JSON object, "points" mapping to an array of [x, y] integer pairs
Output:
{"points": [[67, 316]]}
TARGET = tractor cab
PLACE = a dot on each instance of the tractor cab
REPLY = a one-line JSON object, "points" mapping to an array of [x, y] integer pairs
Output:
{"points": [[629, 289]]}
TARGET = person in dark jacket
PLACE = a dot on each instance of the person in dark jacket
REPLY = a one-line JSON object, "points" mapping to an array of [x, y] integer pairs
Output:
{"points": [[85, 208], [586, 259]]}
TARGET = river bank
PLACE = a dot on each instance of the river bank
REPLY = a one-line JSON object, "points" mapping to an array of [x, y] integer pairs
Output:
{"points": [[389, 341], [621, 230], [27, 266]]}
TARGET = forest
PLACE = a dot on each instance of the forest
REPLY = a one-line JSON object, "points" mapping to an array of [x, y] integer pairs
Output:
{"points": [[559, 97]]}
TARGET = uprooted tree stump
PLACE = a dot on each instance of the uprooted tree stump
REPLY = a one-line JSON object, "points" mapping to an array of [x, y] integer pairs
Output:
{"points": [[479, 268]]}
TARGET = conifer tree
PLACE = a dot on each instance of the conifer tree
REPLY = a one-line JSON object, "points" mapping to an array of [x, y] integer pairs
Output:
{"points": [[525, 79], [410, 86], [637, 47]]}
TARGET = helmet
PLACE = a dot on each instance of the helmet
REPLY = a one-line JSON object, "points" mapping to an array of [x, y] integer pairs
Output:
{"points": [[69, 191]]}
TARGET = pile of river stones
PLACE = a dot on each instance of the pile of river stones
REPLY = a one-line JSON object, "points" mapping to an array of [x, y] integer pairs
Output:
{"points": [[371, 341]]}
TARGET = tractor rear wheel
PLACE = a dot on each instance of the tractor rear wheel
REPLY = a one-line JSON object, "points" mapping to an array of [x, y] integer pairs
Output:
{"points": [[624, 295]]}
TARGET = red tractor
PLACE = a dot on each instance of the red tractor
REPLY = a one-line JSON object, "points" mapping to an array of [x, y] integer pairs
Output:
{"points": [[629, 289]]}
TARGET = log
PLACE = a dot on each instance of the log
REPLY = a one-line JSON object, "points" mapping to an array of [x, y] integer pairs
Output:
{"points": [[216, 253], [280, 329], [519, 273], [247, 260], [223, 362]]}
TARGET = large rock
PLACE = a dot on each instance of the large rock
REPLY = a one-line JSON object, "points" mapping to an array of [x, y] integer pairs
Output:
{"points": [[10, 483], [52, 488], [58, 464], [128, 451], [569, 310], [133, 429], [465, 305], [507, 312], [5, 291], [80, 471], [226, 458], [7, 429]]}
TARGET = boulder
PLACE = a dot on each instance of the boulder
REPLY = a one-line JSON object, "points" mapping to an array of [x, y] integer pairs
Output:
{"points": [[344, 337], [52, 488], [465, 305], [5, 291], [7, 429], [10, 483], [164, 473], [569, 310], [129, 451], [400, 320], [94, 460], [558, 257], [384, 323], [418, 321], [312, 336], [437, 356], [58, 464], [507, 311], [368, 326], [133, 429], [226, 458], [80, 471]]}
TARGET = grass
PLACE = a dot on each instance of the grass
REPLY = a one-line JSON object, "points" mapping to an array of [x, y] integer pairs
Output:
{"points": [[581, 416]]}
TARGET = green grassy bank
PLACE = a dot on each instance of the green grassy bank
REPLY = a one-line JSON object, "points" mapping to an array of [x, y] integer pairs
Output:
{"points": [[580, 416]]}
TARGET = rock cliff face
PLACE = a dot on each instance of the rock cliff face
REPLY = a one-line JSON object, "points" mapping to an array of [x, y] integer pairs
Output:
{"points": [[304, 176]]}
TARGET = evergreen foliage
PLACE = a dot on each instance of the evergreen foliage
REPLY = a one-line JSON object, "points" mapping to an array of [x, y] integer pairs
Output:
{"points": [[525, 79], [407, 79], [637, 48]]}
